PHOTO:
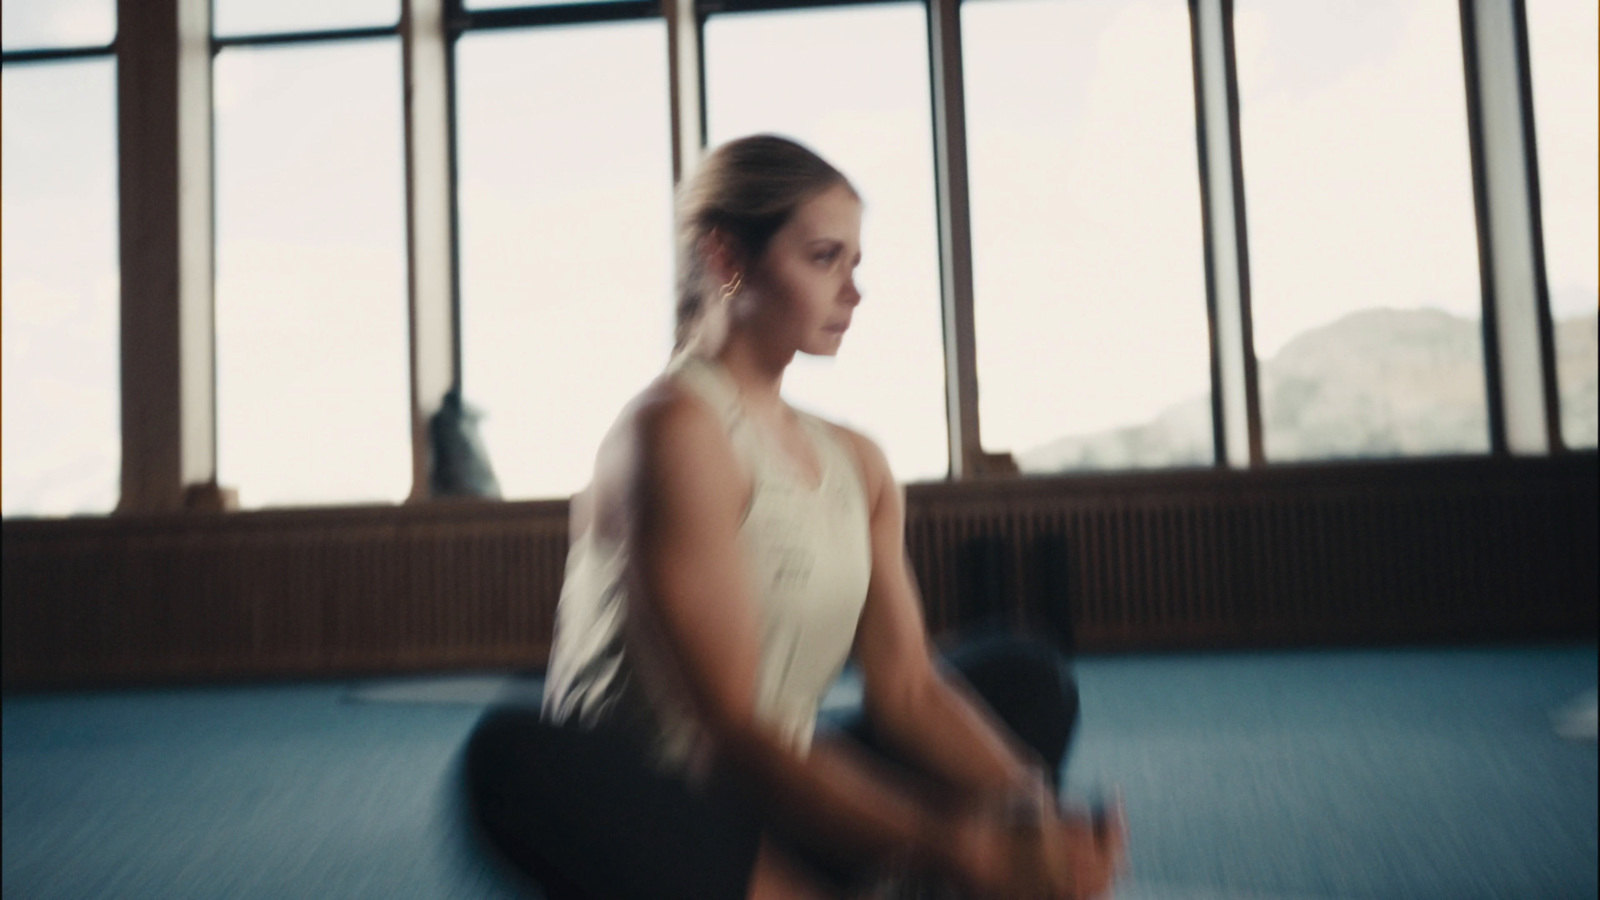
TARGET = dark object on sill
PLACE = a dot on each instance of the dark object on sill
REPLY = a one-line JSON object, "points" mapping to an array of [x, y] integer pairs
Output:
{"points": [[210, 497], [1002, 464], [458, 463]]}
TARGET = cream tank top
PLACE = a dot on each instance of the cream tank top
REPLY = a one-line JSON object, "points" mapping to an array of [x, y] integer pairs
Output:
{"points": [[807, 553]]}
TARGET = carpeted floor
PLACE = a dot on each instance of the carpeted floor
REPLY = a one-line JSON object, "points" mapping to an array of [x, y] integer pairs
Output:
{"points": [[1434, 773]]}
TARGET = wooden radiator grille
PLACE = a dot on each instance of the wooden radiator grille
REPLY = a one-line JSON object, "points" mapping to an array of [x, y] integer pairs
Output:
{"points": [[1334, 554], [283, 593], [1252, 560]]}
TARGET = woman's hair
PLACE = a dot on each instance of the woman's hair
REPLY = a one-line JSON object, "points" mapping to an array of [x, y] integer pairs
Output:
{"points": [[747, 189]]}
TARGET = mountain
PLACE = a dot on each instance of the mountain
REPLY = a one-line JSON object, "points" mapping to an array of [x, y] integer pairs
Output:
{"points": [[1378, 382]]}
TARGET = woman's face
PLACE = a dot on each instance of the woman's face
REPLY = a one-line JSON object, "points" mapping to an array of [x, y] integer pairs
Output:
{"points": [[804, 290]]}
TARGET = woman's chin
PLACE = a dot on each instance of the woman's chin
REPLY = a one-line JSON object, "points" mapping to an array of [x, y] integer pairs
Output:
{"points": [[825, 343], [823, 348]]}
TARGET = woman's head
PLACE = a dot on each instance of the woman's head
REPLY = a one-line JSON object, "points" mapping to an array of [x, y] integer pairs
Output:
{"points": [[768, 235]]}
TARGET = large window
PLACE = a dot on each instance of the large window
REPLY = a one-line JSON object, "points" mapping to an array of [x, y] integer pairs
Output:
{"points": [[1089, 279], [852, 84], [1363, 254], [565, 197], [1562, 51], [59, 270], [313, 402]]}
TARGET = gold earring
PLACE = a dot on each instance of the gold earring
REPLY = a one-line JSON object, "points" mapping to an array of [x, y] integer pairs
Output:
{"points": [[733, 285]]}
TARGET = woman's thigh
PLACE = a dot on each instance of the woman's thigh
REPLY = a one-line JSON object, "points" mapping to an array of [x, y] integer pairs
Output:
{"points": [[586, 814]]}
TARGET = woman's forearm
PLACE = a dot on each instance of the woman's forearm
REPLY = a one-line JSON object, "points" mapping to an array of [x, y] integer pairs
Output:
{"points": [[945, 729], [838, 798]]}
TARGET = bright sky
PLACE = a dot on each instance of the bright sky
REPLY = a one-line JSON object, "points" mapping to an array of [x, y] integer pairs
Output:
{"points": [[1090, 292], [1358, 183], [26, 24], [312, 359], [235, 17], [59, 413], [566, 240], [1089, 287]]}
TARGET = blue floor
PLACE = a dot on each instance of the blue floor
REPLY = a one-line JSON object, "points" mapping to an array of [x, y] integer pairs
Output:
{"points": [[1270, 776]]}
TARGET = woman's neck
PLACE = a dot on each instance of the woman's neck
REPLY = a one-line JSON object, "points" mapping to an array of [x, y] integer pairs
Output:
{"points": [[757, 374]]}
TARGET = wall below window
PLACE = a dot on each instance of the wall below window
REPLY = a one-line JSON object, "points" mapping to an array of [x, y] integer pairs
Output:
{"points": [[1468, 549], [1366, 552]]}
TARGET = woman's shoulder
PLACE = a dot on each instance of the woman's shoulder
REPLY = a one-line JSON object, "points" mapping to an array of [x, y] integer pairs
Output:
{"points": [[664, 427], [668, 410], [666, 443], [870, 460]]}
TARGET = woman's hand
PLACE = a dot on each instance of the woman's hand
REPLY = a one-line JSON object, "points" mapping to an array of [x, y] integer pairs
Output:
{"points": [[1082, 856], [1064, 856], [989, 858]]}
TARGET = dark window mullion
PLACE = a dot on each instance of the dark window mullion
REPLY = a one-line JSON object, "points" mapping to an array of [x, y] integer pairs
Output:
{"points": [[1541, 275], [461, 19], [56, 54], [710, 7], [304, 37]]}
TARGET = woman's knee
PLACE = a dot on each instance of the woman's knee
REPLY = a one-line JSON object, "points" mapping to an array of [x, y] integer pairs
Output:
{"points": [[1027, 683], [1013, 663], [497, 739]]}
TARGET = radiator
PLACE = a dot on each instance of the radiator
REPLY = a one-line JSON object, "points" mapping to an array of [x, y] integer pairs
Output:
{"points": [[447, 586], [1443, 550], [1377, 553]]}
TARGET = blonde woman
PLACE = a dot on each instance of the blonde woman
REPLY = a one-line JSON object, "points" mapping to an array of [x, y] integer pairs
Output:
{"points": [[730, 555]]}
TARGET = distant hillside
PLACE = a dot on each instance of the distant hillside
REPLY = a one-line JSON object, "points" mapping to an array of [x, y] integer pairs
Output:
{"points": [[1576, 371], [1379, 382]]}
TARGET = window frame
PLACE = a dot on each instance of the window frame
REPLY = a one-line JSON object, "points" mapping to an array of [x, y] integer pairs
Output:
{"points": [[689, 121]]}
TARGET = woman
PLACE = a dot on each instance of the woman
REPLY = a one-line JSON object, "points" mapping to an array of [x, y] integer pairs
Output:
{"points": [[729, 555]]}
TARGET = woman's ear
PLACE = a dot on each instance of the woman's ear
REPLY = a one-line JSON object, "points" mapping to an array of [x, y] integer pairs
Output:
{"points": [[721, 255]]}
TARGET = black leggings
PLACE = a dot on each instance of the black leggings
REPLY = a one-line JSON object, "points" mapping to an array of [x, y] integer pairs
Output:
{"points": [[584, 812]]}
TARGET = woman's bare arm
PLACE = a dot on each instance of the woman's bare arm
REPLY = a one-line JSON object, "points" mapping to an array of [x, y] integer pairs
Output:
{"points": [[927, 715], [936, 720]]}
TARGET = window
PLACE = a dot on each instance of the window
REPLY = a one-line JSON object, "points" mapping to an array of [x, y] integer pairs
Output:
{"points": [[1562, 55], [1365, 299], [565, 198], [313, 402], [235, 18], [852, 84], [1088, 268], [61, 406], [57, 24]]}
